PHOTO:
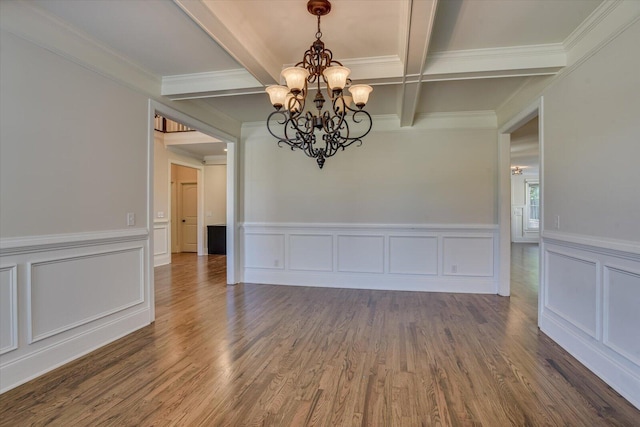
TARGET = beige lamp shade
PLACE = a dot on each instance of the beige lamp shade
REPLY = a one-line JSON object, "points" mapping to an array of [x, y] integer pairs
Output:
{"points": [[296, 78], [360, 94], [336, 77], [277, 95]]}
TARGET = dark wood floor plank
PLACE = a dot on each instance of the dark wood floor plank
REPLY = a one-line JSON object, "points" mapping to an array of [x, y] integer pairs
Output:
{"points": [[295, 356]]}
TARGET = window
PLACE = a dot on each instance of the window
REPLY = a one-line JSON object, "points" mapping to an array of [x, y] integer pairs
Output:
{"points": [[532, 220]]}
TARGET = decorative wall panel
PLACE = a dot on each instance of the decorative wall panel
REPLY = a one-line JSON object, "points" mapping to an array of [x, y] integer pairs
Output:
{"points": [[622, 312], [264, 251], [309, 252], [67, 292], [62, 296], [571, 289], [371, 256], [161, 251], [413, 255], [8, 308], [361, 254], [468, 256], [590, 305]]}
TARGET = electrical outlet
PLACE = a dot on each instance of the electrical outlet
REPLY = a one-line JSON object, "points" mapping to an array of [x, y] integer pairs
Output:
{"points": [[454, 268], [160, 214], [131, 219], [556, 222], [276, 263]]}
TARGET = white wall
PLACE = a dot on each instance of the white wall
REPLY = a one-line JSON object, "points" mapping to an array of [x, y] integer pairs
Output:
{"points": [[591, 144], [215, 204], [398, 176], [74, 163], [70, 141], [590, 288], [411, 209]]}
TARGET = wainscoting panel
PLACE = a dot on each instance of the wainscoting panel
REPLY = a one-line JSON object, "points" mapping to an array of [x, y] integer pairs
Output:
{"points": [[361, 254], [101, 284], [264, 250], [161, 251], [309, 252], [621, 327], [590, 293], [63, 296], [371, 256], [468, 256], [572, 287], [413, 255], [8, 308]]}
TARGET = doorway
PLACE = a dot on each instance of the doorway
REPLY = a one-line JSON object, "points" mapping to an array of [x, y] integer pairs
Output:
{"points": [[156, 108], [525, 183], [184, 209], [526, 116]]}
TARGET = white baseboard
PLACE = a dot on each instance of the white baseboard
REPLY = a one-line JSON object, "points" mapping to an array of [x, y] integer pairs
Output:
{"points": [[620, 378], [32, 365], [163, 259], [374, 282]]}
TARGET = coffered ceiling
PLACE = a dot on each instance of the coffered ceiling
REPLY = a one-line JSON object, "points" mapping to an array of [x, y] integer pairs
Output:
{"points": [[421, 56]]}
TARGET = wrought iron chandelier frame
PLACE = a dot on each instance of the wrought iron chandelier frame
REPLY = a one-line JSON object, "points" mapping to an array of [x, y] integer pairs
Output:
{"points": [[295, 126]]}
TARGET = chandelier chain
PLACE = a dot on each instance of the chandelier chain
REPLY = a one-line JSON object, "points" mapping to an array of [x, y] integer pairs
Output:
{"points": [[319, 33]]}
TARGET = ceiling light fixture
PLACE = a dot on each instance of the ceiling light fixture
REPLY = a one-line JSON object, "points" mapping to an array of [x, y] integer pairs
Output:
{"points": [[297, 126], [516, 171]]}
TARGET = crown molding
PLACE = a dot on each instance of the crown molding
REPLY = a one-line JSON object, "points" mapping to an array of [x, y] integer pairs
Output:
{"points": [[183, 85], [588, 25], [519, 60], [34, 25], [606, 22]]}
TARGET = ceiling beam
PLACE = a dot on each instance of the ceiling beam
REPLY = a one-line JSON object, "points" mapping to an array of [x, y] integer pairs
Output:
{"points": [[421, 19], [247, 50], [520, 60]]}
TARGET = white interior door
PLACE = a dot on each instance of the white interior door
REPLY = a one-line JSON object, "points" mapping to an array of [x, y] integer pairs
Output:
{"points": [[189, 217]]}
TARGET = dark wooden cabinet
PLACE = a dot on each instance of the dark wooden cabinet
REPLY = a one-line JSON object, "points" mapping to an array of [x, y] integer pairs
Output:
{"points": [[217, 239]]}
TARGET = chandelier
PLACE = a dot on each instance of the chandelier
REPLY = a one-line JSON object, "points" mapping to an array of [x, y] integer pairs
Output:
{"points": [[297, 123], [516, 170]]}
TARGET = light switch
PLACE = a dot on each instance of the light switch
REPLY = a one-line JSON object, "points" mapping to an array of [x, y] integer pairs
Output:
{"points": [[160, 214], [131, 219]]}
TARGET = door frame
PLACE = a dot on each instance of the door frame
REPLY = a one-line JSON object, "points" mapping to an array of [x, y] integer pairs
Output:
{"points": [[233, 273], [504, 193]]}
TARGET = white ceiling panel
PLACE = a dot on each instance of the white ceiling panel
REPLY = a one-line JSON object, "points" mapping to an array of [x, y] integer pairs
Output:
{"points": [[482, 24], [155, 35]]}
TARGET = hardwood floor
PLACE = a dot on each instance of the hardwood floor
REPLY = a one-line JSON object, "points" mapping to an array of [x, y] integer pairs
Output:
{"points": [[295, 356]]}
